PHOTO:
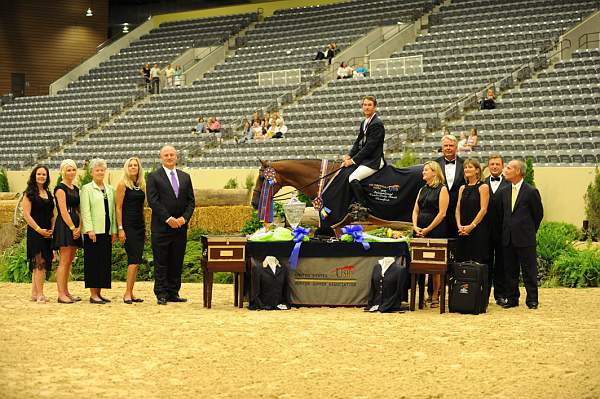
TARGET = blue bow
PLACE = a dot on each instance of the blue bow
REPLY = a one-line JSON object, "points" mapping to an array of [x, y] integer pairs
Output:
{"points": [[356, 231], [299, 233]]}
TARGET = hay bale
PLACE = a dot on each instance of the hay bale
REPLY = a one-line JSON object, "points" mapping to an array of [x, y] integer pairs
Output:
{"points": [[221, 197], [310, 217], [8, 196], [7, 209], [215, 219], [8, 235]]}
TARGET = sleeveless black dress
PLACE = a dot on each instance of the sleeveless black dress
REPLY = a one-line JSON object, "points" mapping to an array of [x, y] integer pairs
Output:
{"points": [[63, 236], [97, 256], [42, 210], [429, 207], [475, 246], [133, 225]]}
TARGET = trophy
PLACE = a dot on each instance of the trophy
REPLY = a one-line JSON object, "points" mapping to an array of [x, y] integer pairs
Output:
{"points": [[294, 210]]}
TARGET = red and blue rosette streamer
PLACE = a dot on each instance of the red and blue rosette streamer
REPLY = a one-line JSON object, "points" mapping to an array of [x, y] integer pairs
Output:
{"points": [[299, 233], [356, 231], [318, 201], [265, 204]]}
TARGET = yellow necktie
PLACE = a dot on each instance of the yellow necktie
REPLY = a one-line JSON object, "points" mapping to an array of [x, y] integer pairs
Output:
{"points": [[513, 198]]}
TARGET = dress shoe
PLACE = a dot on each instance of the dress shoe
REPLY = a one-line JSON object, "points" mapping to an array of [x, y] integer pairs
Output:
{"points": [[510, 304], [500, 301], [75, 298], [137, 300], [104, 299], [97, 301], [532, 305], [62, 301], [161, 301], [128, 301], [177, 299]]}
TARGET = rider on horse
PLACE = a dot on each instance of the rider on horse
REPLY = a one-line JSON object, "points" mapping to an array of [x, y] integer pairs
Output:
{"points": [[367, 151]]}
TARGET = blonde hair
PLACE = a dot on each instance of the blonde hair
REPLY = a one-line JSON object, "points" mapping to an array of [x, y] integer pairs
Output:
{"points": [[126, 180], [65, 164], [437, 170], [476, 165]]}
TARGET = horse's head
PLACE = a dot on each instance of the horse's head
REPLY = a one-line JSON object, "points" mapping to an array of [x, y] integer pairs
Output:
{"points": [[266, 167]]}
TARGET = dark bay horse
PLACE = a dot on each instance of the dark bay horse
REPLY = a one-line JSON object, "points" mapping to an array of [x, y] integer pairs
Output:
{"points": [[303, 175], [393, 199]]}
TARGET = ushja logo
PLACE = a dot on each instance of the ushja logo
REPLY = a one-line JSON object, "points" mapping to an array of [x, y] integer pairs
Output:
{"points": [[343, 271]]}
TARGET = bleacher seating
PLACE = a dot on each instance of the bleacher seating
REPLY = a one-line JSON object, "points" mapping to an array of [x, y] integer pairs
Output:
{"points": [[55, 120]]}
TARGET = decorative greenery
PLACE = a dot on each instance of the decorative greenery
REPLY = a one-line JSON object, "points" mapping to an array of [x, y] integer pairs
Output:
{"points": [[231, 183], [304, 198], [15, 265], [252, 225], [86, 176], [249, 182], [408, 159], [578, 268], [553, 239], [592, 206], [3, 181], [529, 173]]}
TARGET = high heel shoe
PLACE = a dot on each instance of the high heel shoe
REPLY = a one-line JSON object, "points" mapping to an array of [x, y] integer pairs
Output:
{"points": [[128, 301]]}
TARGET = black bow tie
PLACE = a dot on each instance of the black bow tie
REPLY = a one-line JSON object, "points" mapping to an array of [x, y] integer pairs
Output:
{"points": [[495, 178], [450, 162]]}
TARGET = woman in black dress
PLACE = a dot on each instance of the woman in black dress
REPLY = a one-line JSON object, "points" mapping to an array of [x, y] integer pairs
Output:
{"points": [[130, 199], [471, 210], [67, 229], [429, 213], [38, 212]]}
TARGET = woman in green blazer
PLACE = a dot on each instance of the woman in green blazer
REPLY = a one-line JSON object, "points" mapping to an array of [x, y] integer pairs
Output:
{"points": [[99, 229]]}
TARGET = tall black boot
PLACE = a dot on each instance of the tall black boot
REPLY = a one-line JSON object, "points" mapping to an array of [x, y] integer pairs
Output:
{"points": [[359, 194], [359, 207]]}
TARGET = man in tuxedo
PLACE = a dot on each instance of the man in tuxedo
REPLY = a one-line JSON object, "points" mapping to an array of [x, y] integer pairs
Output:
{"points": [[496, 260], [452, 167], [171, 198], [367, 151], [522, 213]]}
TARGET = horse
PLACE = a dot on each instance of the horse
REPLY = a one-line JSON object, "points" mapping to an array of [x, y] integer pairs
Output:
{"points": [[304, 175]]}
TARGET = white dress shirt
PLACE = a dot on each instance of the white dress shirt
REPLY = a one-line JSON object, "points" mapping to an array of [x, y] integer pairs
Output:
{"points": [[450, 170], [495, 184]]}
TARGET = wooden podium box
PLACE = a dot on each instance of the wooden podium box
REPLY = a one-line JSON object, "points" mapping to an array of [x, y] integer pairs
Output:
{"points": [[430, 256], [223, 254]]}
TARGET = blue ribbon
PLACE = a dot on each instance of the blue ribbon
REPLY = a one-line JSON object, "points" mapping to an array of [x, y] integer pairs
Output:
{"points": [[324, 213], [298, 233], [356, 231]]}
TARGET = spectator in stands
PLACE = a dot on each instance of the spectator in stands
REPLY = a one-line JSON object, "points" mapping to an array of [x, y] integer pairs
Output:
{"points": [[360, 72], [130, 197], [429, 214], [100, 229], [145, 72], [200, 126], [490, 100], [344, 71], [67, 229], [246, 131], [169, 74], [213, 125], [462, 144], [178, 76], [257, 130], [332, 51], [155, 79], [473, 139], [280, 129], [471, 219], [38, 212]]}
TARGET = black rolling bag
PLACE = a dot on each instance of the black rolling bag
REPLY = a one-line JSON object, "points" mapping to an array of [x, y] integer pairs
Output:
{"points": [[468, 288]]}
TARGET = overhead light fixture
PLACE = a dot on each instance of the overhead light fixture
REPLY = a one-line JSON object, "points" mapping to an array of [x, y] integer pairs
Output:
{"points": [[125, 27], [89, 13]]}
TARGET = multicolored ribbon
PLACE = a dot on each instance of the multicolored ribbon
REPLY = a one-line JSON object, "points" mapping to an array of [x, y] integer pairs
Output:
{"points": [[356, 232], [299, 233], [318, 201], [265, 204]]}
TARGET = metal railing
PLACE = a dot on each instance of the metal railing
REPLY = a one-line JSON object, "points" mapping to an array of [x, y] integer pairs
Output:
{"points": [[285, 77], [399, 66], [587, 38]]}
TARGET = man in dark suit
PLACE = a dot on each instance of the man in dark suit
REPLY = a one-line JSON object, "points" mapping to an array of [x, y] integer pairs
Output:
{"points": [[496, 260], [522, 213], [171, 198], [367, 151], [452, 167]]}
